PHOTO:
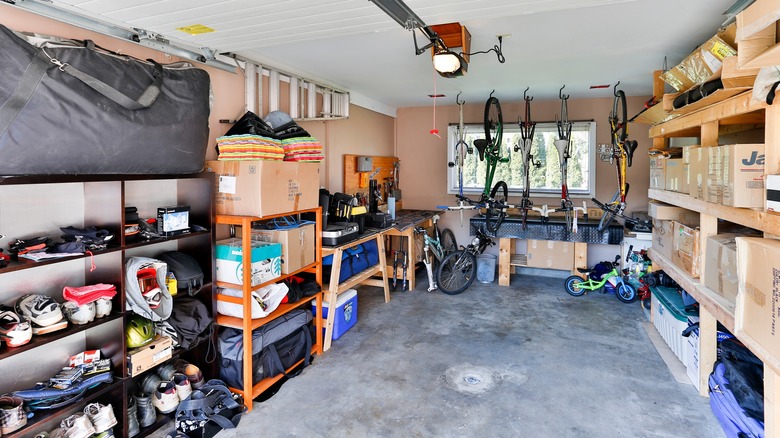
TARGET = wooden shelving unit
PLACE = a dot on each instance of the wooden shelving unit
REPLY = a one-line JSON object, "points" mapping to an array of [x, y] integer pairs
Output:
{"points": [[735, 114], [246, 323]]}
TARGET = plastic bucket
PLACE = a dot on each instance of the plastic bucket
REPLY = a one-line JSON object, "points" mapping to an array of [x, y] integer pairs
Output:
{"points": [[486, 268]]}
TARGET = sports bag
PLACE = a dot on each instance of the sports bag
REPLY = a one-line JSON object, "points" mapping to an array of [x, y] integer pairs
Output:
{"points": [[353, 261], [70, 107], [284, 353], [189, 275], [231, 345], [208, 411], [732, 418]]}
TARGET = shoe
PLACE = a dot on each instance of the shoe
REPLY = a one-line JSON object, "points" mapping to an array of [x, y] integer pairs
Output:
{"points": [[77, 426], [79, 315], [12, 416], [164, 397], [38, 330], [56, 433], [183, 387], [107, 434], [146, 413], [40, 309], [166, 371], [15, 330], [150, 382], [194, 376], [103, 307], [133, 428], [101, 416]]}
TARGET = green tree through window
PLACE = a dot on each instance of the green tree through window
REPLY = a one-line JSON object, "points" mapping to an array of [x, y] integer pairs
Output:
{"points": [[545, 179]]}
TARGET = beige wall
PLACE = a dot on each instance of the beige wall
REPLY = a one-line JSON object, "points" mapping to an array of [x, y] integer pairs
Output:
{"points": [[424, 156]]}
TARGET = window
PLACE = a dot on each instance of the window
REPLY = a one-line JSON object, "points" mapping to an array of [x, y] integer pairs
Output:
{"points": [[545, 179]]}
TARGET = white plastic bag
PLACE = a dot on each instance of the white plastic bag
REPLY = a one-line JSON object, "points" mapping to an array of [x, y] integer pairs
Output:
{"points": [[765, 80], [264, 301]]}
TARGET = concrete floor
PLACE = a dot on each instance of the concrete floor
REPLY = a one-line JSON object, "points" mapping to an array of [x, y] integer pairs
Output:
{"points": [[524, 361]]}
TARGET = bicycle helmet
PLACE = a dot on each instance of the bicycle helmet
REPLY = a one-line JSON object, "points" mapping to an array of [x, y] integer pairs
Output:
{"points": [[42, 310], [79, 314], [15, 330], [140, 332], [164, 328], [103, 307]]}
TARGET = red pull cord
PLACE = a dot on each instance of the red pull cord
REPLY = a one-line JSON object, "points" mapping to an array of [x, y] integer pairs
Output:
{"points": [[92, 265], [434, 131]]}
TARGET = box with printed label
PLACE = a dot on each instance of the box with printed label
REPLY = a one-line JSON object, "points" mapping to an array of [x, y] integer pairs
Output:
{"points": [[266, 261], [658, 173], [550, 254], [297, 245], [346, 312], [698, 173], [742, 183], [773, 193], [686, 253], [264, 188], [720, 269], [675, 174], [146, 357], [715, 170]]}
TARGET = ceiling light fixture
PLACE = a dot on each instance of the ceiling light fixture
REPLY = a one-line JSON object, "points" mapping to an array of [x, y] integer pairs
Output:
{"points": [[446, 62]]}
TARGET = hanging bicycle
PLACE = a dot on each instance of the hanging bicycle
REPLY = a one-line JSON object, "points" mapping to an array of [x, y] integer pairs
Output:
{"points": [[461, 149], [527, 128], [563, 146], [621, 154]]}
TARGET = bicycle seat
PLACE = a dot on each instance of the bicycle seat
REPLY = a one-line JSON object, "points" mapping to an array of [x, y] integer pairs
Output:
{"points": [[630, 146], [583, 270], [481, 144]]}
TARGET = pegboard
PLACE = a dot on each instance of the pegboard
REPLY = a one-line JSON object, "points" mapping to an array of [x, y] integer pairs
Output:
{"points": [[352, 176]]}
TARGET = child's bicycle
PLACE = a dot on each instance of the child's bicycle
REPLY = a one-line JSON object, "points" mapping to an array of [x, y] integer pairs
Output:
{"points": [[439, 246], [613, 281], [458, 270]]}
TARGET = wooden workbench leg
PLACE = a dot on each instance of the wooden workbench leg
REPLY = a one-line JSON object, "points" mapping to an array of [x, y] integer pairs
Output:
{"points": [[332, 296], [504, 255], [412, 253], [380, 243], [708, 348], [580, 257]]}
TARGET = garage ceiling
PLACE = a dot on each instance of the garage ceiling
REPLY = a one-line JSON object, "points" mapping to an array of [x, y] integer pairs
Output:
{"points": [[353, 45]]}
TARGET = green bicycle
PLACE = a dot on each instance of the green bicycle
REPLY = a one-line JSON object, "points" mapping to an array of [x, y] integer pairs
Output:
{"points": [[494, 201]]}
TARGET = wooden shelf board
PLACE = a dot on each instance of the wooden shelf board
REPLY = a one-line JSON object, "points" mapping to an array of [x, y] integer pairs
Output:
{"points": [[23, 263], [238, 323], [225, 219], [282, 277], [358, 278], [518, 260], [719, 307], [728, 108], [759, 220]]}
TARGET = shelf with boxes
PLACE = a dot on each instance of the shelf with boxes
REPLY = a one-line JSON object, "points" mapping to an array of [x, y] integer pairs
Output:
{"points": [[41, 206], [302, 254]]}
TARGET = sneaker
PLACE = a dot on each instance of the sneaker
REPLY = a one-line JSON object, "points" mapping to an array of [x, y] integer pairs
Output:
{"points": [[15, 330], [101, 416], [40, 309], [12, 416], [166, 371], [194, 376], [77, 426], [107, 434], [183, 387], [150, 382], [103, 307], [38, 330], [164, 397], [133, 428], [146, 413]]}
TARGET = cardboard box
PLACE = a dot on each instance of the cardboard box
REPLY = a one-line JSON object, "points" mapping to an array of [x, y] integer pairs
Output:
{"points": [[264, 188], [674, 174], [686, 155], [686, 253], [715, 170], [734, 77], [720, 269], [773, 193], [757, 16], [662, 211], [698, 173], [662, 237], [757, 315], [658, 173], [700, 65], [742, 183], [297, 245], [550, 254], [754, 42], [266, 261], [149, 356]]}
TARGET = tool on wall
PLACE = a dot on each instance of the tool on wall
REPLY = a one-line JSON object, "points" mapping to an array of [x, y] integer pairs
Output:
{"points": [[374, 193]]}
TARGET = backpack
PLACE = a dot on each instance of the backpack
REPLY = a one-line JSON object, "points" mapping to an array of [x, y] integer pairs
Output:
{"points": [[189, 275], [208, 411], [191, 321]]}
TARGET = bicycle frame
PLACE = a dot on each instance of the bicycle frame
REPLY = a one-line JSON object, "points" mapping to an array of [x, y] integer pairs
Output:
{"points": [[492, 151], [527, 128], [563, 146]]}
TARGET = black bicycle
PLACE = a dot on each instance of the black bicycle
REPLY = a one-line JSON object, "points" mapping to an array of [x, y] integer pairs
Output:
{"points": [[458, 270], [527, 128]]}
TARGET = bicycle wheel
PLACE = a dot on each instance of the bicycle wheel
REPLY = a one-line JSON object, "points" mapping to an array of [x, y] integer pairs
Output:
{"points": [[456, 272], [609, 214], [618, 118], [625, 293], [448, 242], [573, 286], [494, 122], [495, 216]]}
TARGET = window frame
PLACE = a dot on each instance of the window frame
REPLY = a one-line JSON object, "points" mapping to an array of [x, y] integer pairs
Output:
{"points": [[452, 183]]}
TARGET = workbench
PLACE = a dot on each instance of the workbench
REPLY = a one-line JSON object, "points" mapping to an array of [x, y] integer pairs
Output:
{"points": [[512, 228], [334, 288]]}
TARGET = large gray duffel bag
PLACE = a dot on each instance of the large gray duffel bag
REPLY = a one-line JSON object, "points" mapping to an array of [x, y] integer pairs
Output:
{"points": [[70, 107]]}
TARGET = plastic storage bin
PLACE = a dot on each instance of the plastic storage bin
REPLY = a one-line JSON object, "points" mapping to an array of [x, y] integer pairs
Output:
{"points": [[486, 268], [346, 312], [671, 319]]}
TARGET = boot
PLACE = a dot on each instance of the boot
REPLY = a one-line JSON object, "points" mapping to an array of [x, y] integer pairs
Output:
{"points": [[146, 413], [133, 428]]}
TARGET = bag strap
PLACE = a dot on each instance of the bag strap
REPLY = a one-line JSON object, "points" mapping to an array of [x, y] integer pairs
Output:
{"points": [[24, 90]]}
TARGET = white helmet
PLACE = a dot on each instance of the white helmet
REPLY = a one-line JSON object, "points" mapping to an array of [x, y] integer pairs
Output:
{"points": [[79, 314], [103, 307]]}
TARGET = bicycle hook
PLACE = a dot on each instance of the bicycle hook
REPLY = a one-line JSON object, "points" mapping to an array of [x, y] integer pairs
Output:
{"points": [[614, 89], [491, 93], [457, 99], [561, 95], [527, 99]]}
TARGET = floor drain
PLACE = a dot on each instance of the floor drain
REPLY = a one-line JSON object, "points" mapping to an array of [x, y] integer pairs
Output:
{"points": [[471, 379]]}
